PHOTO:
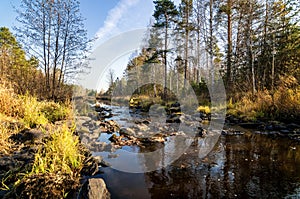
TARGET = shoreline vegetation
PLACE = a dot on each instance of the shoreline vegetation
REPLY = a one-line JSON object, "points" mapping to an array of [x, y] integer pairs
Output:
{"points": [[40, 153]]}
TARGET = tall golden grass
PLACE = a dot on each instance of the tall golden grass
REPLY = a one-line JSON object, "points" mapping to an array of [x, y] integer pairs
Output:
{"points": [[58, 160], [282, 104]]}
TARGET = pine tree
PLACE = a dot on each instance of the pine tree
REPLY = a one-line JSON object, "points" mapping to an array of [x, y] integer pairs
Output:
{"points": [[165, 14]]}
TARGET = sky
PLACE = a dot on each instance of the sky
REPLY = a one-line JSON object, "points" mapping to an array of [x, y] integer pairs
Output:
{"points": [[104, 20]]}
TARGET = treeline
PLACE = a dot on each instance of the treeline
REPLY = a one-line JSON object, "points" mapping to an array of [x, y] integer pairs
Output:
{"points": [[16, 68], [251, 45], [22, 72]]}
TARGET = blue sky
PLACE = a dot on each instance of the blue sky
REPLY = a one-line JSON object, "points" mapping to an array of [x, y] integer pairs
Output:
{"points": [[96, 12], [104, 19]]}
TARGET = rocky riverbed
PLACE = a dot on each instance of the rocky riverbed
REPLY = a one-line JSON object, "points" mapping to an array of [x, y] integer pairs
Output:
{"points": [[221, 174]]}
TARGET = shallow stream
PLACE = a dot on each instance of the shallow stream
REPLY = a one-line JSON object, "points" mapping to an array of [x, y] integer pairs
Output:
{"points": [[239, 166]]}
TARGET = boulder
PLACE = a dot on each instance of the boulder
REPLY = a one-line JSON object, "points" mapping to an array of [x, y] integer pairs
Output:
{"points": [[94, 188], [142, 127]]}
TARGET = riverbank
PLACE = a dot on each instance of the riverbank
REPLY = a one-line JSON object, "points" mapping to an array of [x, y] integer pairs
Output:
{"points": [[263, 111], [41, 153]]}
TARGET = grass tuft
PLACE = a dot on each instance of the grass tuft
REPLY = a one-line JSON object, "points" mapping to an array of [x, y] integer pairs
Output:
{"points": [[59, 153]]}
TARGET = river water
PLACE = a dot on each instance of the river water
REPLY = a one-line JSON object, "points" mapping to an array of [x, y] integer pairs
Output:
{"points": [[239, 166]]}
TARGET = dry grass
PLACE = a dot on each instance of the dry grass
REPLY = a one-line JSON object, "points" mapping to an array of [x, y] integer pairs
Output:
{"points": [[283, 104], [58, 161], [10, 105], [5, 143], [29, 110]]}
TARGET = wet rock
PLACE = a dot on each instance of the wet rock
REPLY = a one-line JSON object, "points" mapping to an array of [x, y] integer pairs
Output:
{"points": [[127, 132], [25, 155], [98, 158], [83, 129], [82, 119], [142, 127], [202, 131], [102, 109], [196, 117], [123, 140], [103, 163], [94, 188], [93, 116], [231, 132], [109, 126], [28, 136], [250, 125], [113, 138], [232, 119], [101, 146], [174, 109], [176, 104], [7, 164], [173, 118], [204, 116], [157, 138], [105, 115], [112, 155], [285, 132]]}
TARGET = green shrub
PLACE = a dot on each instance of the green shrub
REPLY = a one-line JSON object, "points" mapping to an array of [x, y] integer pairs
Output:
{"points": [[55, 111], [33, 116]]}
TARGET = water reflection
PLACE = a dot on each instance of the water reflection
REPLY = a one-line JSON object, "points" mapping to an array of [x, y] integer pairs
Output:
{"points": [[244, 166], [247, 166]]}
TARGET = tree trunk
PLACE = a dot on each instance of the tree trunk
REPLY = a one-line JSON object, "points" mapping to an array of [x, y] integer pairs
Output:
{"points": [[229, 42]]}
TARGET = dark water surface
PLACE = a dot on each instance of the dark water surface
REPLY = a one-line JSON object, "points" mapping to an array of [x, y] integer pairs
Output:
{"points": [[244, 166]]}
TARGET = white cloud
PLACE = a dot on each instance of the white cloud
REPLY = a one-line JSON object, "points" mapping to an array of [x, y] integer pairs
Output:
{"points": [[114, 16]]}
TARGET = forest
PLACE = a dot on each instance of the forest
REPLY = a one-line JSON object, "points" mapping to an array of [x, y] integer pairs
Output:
{"points": [[253, 47]]}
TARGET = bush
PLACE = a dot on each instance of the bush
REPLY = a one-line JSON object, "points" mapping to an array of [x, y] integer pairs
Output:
{"points": [[56, 111], [32, 116]]}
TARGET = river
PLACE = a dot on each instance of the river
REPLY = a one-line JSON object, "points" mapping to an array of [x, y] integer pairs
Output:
{"points": [[239, 166]]}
